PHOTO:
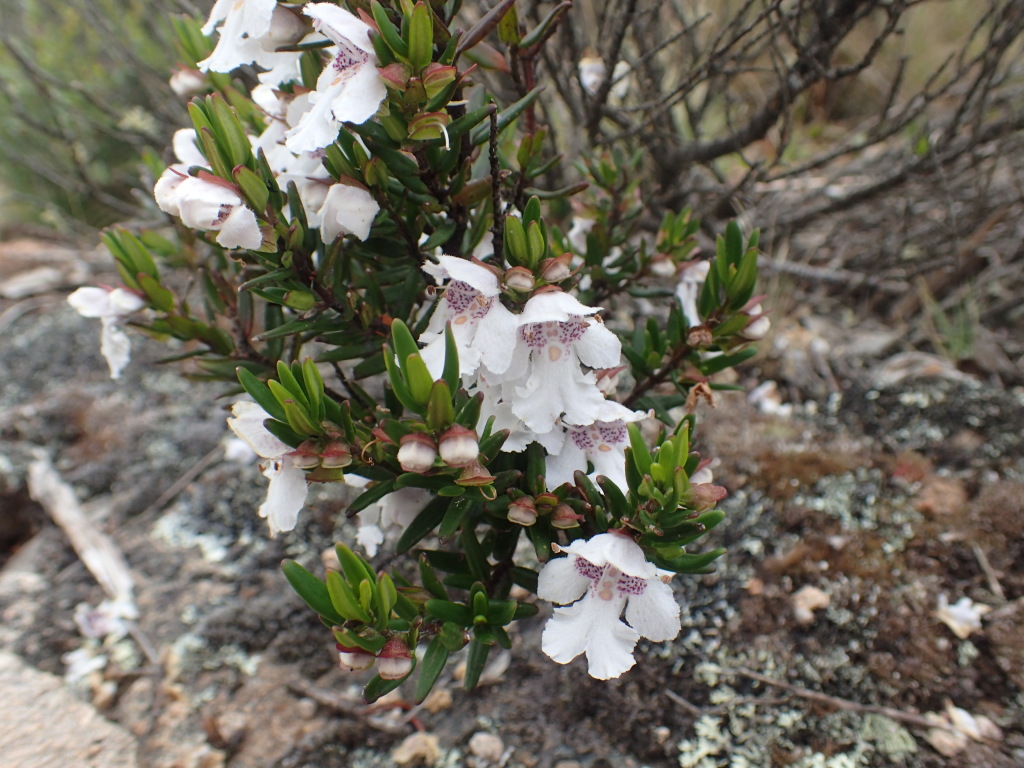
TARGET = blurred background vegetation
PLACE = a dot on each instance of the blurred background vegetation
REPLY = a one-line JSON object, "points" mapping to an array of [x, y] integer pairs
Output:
{"points": [[879, 144], [83, 94]]}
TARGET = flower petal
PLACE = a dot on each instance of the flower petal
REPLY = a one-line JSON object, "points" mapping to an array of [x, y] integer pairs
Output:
{"points": [[339, 24], [115, 346], [286, 495], [655, 613], [347, 210], [362, 93], [555, 306], [246, 421], [90, 301], [591, 626], [560, 581], [464, 270], [617, 550], [240, 230], [599, 347]]}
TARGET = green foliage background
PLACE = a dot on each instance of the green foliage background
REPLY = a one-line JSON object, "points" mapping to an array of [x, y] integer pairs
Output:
{"points": [[83, 92]]}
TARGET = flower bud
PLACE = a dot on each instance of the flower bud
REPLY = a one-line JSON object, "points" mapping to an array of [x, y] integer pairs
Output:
{"points": [[759, 325], [336, 455], [564, 517], [705, 495], [354, 659], [556, 269], [475, 475], [395, 75], [458, 446], [306, 456], [520, 279], [394, 660], [523, 511], [416, 453], [546, 502]]}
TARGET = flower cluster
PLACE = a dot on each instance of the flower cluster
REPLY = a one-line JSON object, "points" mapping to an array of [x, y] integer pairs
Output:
{"points": [[375, 269], [537, 370]]}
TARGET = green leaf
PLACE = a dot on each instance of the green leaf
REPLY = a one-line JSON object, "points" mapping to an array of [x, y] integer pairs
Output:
{"points": [[428, 577], [312, 591], [426, 521], [476, 660], [259, 392], [388, 31], [419, 380], [445, 610], [370, 496], [344, 599], [450, 373], [158, 296], [354, 567], [506, 116], [434, 660], [421, 36], [378, 687]]}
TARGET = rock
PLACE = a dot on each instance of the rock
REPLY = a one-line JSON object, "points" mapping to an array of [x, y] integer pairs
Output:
{"points": [[84, 739], [487, 746], [419, 748], [806, 601]]}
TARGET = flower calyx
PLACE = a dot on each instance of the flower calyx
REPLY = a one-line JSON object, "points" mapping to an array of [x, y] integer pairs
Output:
{"points": [[417, 453]]}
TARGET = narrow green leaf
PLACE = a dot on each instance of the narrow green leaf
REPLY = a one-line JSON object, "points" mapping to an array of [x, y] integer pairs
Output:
{"points": [[259, 392], [312, 591], [344, 599], [434, 660]]}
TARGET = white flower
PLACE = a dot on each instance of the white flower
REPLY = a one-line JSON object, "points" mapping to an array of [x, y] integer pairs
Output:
{"points": [[347, 209], [389, 517], [210, 205], [250, 33], [204, 204], [484, 330], [691, 283], [287, 491], [602, 443], [110, 307], [554, 338], [608, 572], [349, 89]]}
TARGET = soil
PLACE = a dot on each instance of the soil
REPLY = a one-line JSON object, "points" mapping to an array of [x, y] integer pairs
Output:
{"points": [[881, 497]]}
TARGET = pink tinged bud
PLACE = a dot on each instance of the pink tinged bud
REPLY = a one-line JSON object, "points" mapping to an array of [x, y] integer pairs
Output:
{"points": [[306, 456], [523, 511], [436, 77], [706, 495], [546, 502], [458, 446], [395, 75], [564, 517], [520, 279], [416, 453], [336, 455], [556, 270], [394, 660], [354, 659], [759, 325], [475, 474]]}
